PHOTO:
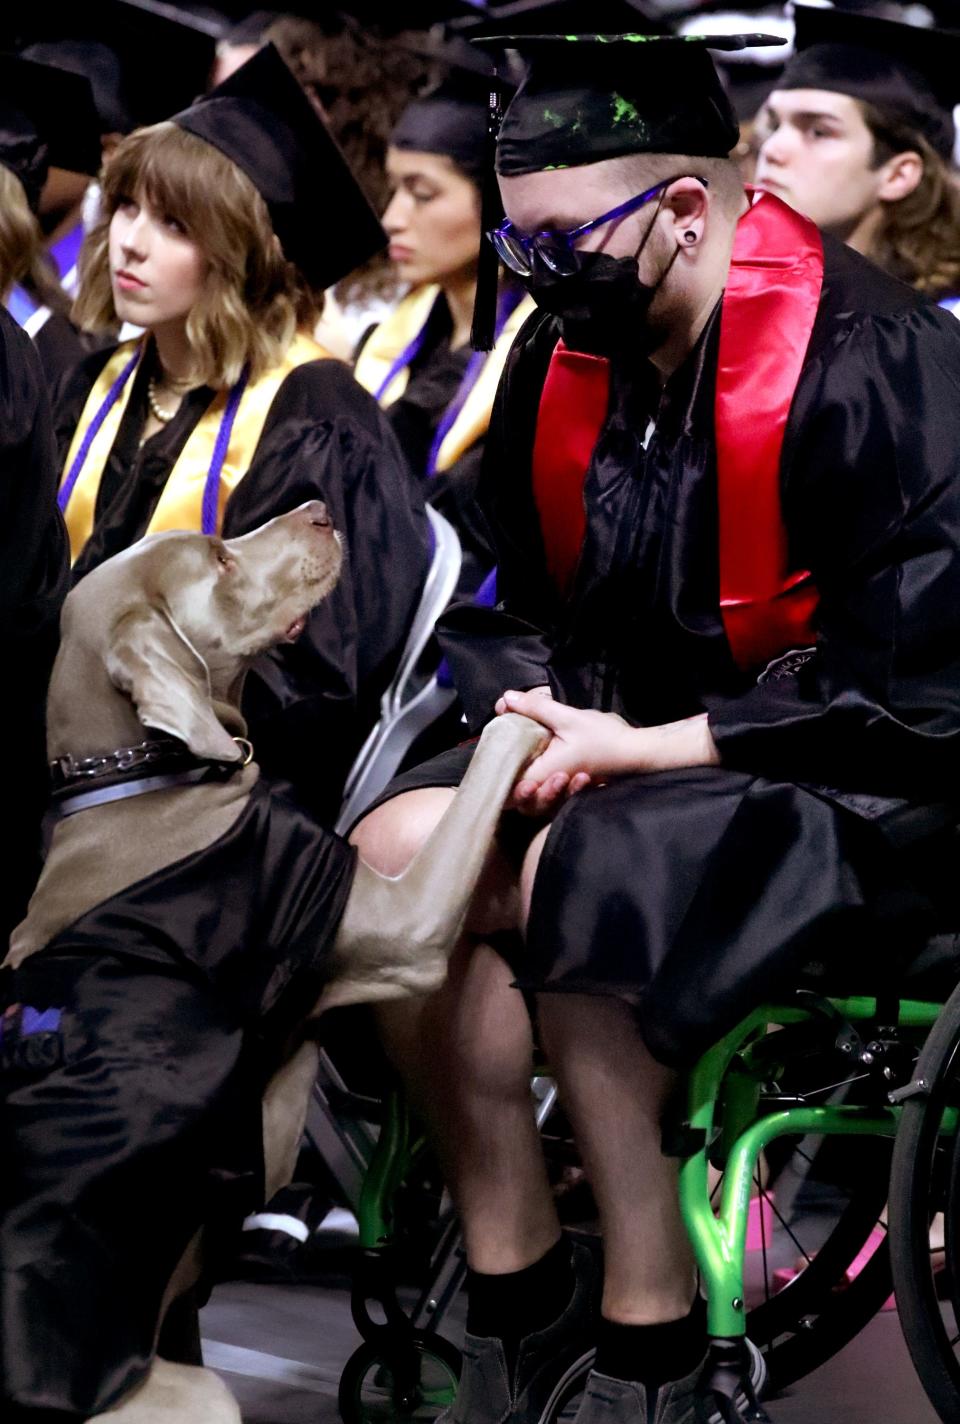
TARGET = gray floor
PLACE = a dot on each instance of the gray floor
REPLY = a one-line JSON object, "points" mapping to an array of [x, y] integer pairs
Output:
{"points": [[281, 1349]]}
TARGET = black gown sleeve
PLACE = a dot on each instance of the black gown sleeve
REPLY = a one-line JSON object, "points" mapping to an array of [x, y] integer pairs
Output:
{"points": [[33, 584], [310, 705], [510, 645], [872, 499]]}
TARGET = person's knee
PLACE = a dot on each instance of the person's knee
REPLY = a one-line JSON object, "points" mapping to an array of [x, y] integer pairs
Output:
{"points": [[528, 873], [390, 836]]}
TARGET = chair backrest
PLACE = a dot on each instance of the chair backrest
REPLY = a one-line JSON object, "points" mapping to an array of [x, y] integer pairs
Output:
{"points": [[408, 706], [438, 589]]}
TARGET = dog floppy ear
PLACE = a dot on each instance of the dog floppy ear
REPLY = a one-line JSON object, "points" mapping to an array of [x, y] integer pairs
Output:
{"points": [[168, 682]]}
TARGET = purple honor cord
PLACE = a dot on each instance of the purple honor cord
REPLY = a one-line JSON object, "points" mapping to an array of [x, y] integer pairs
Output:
{"points": [[406, 357], [109, 401], [211, 488], [509, 301]]}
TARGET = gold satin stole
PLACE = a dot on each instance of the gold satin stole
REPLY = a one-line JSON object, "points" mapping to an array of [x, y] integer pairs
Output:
{"points": [[180, 505], [392, 337]]}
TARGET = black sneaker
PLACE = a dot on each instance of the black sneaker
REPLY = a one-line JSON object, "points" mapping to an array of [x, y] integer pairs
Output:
{"points": [[547, 1360], [613, 1401]]}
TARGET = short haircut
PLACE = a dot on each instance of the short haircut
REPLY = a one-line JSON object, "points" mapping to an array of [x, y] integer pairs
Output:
{"points": [[725, 184], [253, 299]]}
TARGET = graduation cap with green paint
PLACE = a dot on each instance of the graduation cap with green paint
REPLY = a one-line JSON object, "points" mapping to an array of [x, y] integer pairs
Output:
{"points": [[590, 97]]}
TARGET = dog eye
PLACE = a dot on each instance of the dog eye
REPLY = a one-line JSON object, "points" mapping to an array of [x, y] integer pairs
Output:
{"points": [[226, 562]]}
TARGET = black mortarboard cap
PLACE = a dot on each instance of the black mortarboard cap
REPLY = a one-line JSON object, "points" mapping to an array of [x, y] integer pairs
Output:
{"points": [[98, 64], [47, 119], [589, 97], [166, 52], [526, 17], [912, 71], [262, 120], [395, 15], [450, 117]]}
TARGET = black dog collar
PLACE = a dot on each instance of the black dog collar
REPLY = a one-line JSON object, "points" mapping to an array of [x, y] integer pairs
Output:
{"points": [[79, 783]]}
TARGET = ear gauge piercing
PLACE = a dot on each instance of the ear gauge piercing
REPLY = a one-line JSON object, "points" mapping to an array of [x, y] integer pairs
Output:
{"points": [[690, 236]]}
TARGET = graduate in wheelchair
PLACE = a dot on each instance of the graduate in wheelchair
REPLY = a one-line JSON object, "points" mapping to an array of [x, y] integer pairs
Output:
{"points": [[722, 482]]}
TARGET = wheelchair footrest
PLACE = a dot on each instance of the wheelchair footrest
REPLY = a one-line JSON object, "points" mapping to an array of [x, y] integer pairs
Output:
{"points": [[728, 1387]]}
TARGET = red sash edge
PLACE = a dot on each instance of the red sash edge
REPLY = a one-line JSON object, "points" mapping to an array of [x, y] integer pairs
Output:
{"points": [[765, 328], [573, 408], [769, 308]]}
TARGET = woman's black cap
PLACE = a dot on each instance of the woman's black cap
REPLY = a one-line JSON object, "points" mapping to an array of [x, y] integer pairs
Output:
{"points": [[589, 97], [450, 117], [911, 71], [262, 120], [47, 120]]}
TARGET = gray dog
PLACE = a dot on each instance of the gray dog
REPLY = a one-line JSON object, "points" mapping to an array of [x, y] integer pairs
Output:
{"points": [[166, 930]]}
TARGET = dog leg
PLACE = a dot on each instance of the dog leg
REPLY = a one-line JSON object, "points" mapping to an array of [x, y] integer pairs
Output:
{"points": [[176, 1394], [397, 933]]}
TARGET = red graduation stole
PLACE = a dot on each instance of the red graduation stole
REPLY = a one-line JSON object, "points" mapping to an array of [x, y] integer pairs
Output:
{"points": [[768, 310]]}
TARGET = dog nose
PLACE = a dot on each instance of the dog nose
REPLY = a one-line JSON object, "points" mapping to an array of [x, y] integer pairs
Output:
{"points": [[317, 514]]}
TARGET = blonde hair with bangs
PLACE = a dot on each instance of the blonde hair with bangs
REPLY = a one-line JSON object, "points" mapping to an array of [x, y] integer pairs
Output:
{"points": [[253, 300]]}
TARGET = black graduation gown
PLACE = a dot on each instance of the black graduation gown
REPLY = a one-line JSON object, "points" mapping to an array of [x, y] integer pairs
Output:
{"points": [[694, 894], [434, 380], [309, 705], [146, 1031], [61, 347], [34, 579]]}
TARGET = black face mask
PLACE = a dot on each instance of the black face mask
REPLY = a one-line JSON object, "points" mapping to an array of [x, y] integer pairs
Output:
{"points": [[603, 307]]}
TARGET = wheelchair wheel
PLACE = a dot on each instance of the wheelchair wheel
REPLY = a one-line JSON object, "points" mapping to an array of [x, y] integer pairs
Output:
{"points": [[842, 1278], [925, 1181], [371, 1392]]}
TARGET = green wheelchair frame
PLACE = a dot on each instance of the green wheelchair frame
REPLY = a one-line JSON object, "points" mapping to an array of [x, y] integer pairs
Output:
{"points": [[732, 1108]]}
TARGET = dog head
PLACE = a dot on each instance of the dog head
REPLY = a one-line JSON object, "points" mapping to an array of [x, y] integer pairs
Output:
{"points": [[177, 618]]}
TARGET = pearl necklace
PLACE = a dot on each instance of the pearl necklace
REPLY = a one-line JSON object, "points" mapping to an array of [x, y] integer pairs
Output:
{"points": [[164, 416]]}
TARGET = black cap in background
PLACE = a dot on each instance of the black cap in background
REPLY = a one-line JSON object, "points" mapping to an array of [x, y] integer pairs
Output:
{"points": [[98, 64], [589, 97], [528, 17], [912, 71], [47, 120], [262, 120], [165, 53], [450, 117]]}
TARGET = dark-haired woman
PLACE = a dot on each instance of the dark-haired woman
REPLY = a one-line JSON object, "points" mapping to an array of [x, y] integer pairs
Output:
{"points": [[418, 363]]}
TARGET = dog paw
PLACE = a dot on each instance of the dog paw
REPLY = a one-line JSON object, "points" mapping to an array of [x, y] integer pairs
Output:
{"points": [[176, 1394]]}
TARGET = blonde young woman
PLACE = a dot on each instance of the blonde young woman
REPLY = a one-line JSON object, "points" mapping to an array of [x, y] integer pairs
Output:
{"points": [[217, 228], [47, 123], [859, 136]]}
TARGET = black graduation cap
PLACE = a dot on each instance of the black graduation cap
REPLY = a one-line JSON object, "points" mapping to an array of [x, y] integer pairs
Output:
{"points": [[165, 52], [261, 119], [47, 120], [589, 97], [98, 64], [395, 15], [450, 117], [527, 17], [913, 71]]}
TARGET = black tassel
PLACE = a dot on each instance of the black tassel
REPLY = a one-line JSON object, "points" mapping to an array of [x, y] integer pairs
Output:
{"points": [[484, 329]]}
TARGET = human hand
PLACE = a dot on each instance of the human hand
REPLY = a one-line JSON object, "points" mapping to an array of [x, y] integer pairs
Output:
{"points": [[589, 746]]}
